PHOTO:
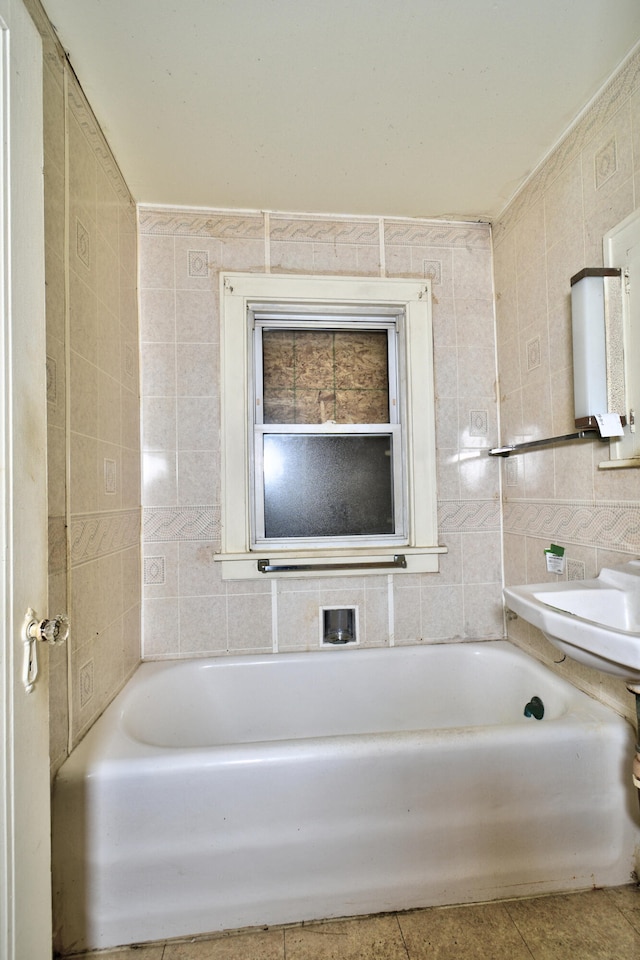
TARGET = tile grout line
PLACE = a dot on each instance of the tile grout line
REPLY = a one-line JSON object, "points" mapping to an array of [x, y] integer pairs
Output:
{"points": [[404, 942], [518, 931]]}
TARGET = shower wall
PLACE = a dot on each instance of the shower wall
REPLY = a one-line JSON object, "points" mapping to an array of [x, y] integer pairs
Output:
{"points": [[552, 229], [188, 610], [93, 458]]}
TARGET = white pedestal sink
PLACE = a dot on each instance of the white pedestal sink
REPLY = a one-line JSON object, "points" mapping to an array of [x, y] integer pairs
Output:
{"points": [[596, 622]]}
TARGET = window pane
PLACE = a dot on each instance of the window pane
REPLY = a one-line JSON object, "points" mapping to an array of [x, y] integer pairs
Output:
{"points": [[313, 376], [327, 486]]}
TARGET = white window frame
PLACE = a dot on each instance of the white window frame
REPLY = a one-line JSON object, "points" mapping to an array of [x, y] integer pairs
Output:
{"points": [[392, 325], [239, 295]]}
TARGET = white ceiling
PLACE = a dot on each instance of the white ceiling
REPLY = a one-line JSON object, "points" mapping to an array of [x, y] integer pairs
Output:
{"points": [[422, 108]]}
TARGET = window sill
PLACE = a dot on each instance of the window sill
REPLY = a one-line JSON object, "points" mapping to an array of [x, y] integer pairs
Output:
{"points": [[244, 566]]}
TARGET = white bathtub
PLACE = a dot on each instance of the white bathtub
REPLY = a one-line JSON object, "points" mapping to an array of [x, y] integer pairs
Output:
{"points": [[215, 794]]}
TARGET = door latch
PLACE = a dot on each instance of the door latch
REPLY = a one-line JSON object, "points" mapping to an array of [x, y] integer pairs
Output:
{"points": [[34, 630]]}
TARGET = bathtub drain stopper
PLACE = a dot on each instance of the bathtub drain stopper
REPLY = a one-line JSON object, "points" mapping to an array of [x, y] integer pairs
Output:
{"points": [[535, 708]]}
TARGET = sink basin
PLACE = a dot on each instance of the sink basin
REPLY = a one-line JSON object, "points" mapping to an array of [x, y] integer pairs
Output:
{"points": [[596, 622]]}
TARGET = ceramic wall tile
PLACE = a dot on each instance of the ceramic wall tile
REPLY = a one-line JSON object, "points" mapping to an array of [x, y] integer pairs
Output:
{"points": [[441, 612], [158, 315], [83, 316], [202, 627], [375, 614], [574, 471], [131, 640], [476, 370], [483, 611], [242, 255], [161, 618], [198, 474], [509, 366], [55, 294], [298, 623], [249, 625], [159, 376], [110, 346], [109, 426], [446, 372], [444, 321], [479, 475], [451, 562], [157, 263], [56, 471], [159, 423], [84, 470], [195, 317], [198, 423], [196, 369], [481, 557], [196, 570], [131, 480], [160, 478], [448, 473], [561, 349], [84, 388], [54, 228]]}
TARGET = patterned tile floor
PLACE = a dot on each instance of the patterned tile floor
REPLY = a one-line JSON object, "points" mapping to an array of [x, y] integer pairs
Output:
{"points": [[594, 925]]}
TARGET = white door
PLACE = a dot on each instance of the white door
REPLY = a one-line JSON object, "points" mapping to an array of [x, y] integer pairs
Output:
{"points": [[25, 894]]}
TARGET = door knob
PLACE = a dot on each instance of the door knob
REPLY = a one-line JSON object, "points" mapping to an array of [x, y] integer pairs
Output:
{"points": [[49, 631], [52, 631]]}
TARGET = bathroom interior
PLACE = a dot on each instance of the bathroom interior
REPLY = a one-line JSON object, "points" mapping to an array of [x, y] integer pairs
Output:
{"points": [[133, 396]]}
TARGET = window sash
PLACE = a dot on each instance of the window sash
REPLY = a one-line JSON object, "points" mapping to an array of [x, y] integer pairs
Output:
{"points": [[322, 323], [398, 500]]}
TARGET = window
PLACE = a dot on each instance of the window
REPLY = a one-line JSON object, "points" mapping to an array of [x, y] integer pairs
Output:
{"points": [[328, 426], [328, 453]]}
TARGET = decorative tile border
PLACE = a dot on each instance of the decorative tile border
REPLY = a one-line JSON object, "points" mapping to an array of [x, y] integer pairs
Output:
{"points": [[291, 228], [436, 233], [613, 525], [56, 58], [161, 524], [181, 523], [88, 124], [217, 224], [324, 230], [99, 534], [463, 516]]}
